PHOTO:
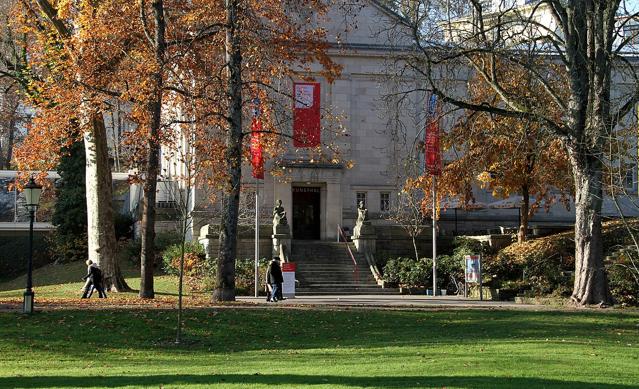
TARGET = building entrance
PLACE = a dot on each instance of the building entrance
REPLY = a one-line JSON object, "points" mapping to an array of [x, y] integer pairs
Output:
{"points": [[306, 213]]}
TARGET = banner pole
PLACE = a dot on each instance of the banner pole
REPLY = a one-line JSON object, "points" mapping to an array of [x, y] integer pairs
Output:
{"points": [[257, 236], [434, 235]]}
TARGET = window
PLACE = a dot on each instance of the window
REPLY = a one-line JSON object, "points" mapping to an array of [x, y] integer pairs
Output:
{"points": [[360, 197], [384, 201], [631, 32], [629, 178]]}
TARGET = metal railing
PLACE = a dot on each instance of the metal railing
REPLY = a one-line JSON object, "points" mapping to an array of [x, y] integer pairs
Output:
{"points": [[340, 232]]}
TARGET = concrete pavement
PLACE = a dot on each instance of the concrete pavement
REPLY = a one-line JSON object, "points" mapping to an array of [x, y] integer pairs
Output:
{"points": [[394, 301]]}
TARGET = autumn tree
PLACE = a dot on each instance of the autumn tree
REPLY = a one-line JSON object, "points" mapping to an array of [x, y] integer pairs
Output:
{"points": [[13, 84], [505, 155], [60, 54], [456, 39], [263, 41]]}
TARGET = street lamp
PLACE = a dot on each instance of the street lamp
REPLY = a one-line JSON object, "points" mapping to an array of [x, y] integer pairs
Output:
{"points": [[32, 192]]}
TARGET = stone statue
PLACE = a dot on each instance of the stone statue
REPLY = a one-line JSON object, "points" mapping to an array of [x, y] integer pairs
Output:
{"points": [[362, 213], [279, 215]]}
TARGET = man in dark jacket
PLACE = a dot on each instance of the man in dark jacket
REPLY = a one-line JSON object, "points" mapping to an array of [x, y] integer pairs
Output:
{"points": [[93, 281], [274, 278]]}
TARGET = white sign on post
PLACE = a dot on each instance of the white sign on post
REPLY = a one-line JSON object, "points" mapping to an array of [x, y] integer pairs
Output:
{"points": [[473, 267], [288, 273]]}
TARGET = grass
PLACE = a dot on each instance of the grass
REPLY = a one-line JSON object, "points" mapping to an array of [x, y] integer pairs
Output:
{"points": [[289, 348], [65, 281], [246, 347]]}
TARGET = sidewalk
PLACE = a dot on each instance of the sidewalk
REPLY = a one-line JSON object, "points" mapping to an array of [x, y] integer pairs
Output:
{"points": [[395, 301]]}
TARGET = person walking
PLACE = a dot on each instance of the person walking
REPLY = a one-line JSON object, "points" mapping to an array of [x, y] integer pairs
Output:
{"points": [[93, 281], [274, 278]]}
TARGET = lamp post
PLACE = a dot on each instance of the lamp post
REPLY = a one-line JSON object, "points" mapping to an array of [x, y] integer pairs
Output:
{"points": [[32, 192]]}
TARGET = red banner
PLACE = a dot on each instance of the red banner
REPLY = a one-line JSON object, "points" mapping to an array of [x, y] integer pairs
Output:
{"points": [[432, 151], [306, 114], [257, 158]]}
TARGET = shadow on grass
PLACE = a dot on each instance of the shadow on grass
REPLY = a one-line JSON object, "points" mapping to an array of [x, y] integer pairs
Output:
{"points": [[238, 330], [293, 380]]}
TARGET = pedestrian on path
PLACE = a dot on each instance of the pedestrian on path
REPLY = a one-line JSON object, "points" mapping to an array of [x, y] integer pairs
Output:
{"points": [[275, 279], [93, 281]]}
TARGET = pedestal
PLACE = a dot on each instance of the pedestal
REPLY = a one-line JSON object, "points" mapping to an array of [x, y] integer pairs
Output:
{"points": [[208, 238], [364, 238], [281, 242]]}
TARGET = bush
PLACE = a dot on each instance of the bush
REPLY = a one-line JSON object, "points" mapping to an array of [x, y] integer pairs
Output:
{"points": [[14, 253], [624, 278], [193, 257], [408, 272], [200, 273], [123, 226], [68, 248], [129, 249]]}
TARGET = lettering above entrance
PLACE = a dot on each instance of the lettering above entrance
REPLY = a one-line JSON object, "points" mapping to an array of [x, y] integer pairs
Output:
{"points": [[297, 189]]}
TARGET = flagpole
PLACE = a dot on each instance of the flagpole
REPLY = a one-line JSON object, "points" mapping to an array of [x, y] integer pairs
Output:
{"points": [[434, 235], [257, 235]]}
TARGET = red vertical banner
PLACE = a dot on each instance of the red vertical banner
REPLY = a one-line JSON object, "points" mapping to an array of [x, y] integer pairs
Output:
{"points": [[432, 150], [257, 157], [306, 114]]}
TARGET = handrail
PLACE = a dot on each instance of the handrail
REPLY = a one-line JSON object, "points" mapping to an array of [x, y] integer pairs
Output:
{"points": [[355, 268]]}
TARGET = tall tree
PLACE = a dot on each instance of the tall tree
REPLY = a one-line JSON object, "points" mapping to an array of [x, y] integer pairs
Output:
{"points": [[61, 53], [264, 40], [587, 39], [157, 40]]}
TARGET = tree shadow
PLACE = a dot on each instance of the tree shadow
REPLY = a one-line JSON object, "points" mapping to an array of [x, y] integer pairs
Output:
{"points": [[298, 380]]}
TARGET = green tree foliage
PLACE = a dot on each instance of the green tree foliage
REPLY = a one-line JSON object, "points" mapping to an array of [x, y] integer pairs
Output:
{"points": [[70, 212]]}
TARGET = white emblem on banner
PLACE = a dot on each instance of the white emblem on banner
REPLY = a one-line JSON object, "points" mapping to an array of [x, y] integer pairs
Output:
{"points": [[304, 96]]}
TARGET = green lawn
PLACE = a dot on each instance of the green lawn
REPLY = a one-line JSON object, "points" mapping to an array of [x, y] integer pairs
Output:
{"points": [[290, 348], [65, 281]]}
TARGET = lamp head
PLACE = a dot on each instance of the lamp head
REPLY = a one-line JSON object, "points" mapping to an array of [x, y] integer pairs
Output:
{"points": [[32, 192]]}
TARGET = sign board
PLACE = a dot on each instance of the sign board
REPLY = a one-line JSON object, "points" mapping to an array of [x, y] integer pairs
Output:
{"points": [[473, 268], [288, 273]]}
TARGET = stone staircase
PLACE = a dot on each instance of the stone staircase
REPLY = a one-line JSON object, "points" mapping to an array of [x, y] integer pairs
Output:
{"points": [[326, 268]]}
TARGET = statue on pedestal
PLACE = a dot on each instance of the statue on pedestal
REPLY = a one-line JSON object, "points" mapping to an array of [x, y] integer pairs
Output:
{"points": [[279, 215], [362, 213]]}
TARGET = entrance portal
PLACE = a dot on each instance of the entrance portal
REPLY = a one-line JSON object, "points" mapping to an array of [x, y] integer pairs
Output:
{"points": [[306, 213]]}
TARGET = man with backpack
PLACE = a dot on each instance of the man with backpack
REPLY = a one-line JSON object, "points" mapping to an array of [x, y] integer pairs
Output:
{"points": [[93, 281]]}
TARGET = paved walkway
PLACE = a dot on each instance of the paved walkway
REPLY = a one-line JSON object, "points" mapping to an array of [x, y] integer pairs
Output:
{"points": [[395, 301]]}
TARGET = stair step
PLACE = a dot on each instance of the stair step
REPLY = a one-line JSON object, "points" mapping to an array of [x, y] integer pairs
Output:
{"points": [[326, 268]]}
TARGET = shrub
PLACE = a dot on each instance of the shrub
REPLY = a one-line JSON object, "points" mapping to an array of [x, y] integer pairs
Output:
{"points": [[14, 253], [193, 258], [407, 272], [623, 277], [123, 223], [200, 273], [68, 248]]}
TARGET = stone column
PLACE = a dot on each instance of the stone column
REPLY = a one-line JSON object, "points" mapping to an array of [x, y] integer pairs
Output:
{"points": [[333, 210]]}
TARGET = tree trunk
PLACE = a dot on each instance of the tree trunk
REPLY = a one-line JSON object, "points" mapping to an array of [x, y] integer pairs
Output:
{"points": [[147, 225], [415, 248], [10, 142], [100, 229], [591, 283], [225, 281], [524, 211]]}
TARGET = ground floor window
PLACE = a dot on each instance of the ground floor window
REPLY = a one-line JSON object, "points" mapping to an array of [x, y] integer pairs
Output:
{"points": [[360, 197], [384, 201]]}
